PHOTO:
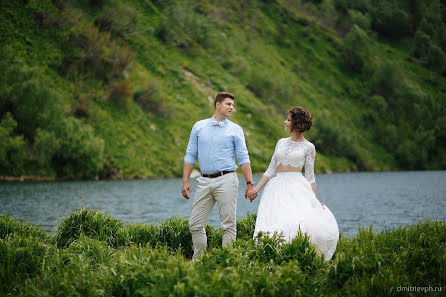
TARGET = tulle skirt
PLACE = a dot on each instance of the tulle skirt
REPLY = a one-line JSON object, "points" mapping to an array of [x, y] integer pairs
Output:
{"points": [[288, 204]]}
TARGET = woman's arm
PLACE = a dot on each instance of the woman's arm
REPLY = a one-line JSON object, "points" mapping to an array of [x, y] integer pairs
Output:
{"points": [[269, 173], [253, 193], [313, 186]]}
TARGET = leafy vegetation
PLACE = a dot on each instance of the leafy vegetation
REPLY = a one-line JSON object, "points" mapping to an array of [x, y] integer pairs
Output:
{"points": [[93, 254], [111, 88]]}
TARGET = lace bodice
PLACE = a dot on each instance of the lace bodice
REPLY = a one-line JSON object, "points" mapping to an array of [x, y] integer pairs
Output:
{"points": [[293, 153]]}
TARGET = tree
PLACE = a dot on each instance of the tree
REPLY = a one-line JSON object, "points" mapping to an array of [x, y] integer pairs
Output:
{"points": [[356, 50]]}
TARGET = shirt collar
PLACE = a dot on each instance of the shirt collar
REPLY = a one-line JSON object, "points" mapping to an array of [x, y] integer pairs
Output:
{"points": [[221, 123]]}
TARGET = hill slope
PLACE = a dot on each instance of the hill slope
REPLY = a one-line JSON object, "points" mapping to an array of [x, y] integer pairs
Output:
{"points": [[112, 88]]}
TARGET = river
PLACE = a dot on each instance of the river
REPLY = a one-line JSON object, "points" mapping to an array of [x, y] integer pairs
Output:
{"points": [[382, 199]]}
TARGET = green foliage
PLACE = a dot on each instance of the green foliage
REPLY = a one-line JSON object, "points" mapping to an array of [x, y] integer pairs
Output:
{"points": [[422, 44], [432, 23], [150, 98], [11, 146], [89, 265], [184, 27], [436, 59], [387, 79], [9, 226], [359, 19], [89, 223], [121, 93], [81, 153], [390, 20], [117, 18], [134, 76], [356, 50], [89, 51]]}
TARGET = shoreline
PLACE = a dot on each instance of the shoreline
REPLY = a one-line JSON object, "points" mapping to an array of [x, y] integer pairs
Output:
{"points": [[28, 178]]}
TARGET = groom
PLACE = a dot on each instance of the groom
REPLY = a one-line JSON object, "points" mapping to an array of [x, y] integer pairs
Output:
{"points": [[214, 141]]}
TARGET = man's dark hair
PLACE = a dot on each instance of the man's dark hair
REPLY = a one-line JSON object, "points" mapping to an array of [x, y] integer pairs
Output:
{"points": [[301, 119], [222, 96]]}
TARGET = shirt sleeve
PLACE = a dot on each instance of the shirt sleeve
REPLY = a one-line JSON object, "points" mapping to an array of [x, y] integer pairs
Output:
{"points": [[192, 147], [310, 155], [241, 151], [272, 168]]}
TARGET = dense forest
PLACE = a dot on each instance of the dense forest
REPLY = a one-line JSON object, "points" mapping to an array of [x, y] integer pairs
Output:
{"points": [[111, 88]]}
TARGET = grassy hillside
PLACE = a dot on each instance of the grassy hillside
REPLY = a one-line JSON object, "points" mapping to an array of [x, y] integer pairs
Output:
{"points": [[111, 88], [93, 254]]}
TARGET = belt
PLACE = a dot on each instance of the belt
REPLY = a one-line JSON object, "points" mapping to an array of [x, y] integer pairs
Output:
{"points": [[214, 175]]}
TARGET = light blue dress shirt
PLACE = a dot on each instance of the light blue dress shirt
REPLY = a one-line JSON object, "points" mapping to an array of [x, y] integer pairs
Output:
{"points": [[214, 143]]}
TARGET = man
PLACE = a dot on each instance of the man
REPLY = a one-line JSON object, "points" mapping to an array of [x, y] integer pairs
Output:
{"points": [[214, 141]]}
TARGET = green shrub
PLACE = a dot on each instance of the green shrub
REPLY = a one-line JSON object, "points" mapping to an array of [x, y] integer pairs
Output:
{"points": [[390, 20], [9, 227], [21, 259], [150, 99], [88, 223], [432, 23], [422, 43], [356, 51], [246, 226], [387, 79], [117, 18], [121, 93], [359, 19], [88, 265], [436, 59], [183, 27], [87, 50], [12, 147], [98, 252], [345, 5]]}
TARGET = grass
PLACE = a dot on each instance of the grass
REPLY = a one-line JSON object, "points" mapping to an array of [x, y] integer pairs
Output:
{"points": [[175, 55], [93, 254]]}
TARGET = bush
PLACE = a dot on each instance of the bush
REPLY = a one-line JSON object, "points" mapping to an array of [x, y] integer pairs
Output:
{"points": [[333, 141], [27, 96], [21, 258], [10, 227], [150, 98], [387, 79], [432, 23], [422, 43], [117, 18], [366, 264], [88, 50], [360, 5], [183, 27], [121, 93], [46, 145], [359, 19], [390, 20], [88, 223], [81, 153], [11, 147], [436, 59], [356, 51]]}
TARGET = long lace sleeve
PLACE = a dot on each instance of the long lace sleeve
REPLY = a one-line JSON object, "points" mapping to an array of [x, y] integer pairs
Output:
{"points": [[272, 168], [310, 155]]}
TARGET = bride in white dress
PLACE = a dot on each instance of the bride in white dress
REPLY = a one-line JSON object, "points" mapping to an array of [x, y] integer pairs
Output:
{"points": [[288, 203]]}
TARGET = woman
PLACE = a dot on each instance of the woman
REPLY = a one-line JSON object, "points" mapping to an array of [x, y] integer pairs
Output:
{"points": [[289, 202]]}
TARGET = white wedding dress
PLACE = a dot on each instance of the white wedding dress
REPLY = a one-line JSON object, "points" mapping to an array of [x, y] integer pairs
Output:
{"points": [[288, 203]]}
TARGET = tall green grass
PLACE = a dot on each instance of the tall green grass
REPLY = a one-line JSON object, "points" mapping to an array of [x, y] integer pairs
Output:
{"points": [[94, 254]]}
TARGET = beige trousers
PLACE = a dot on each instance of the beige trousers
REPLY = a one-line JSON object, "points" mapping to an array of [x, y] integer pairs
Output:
{"points": [[223, 190]]}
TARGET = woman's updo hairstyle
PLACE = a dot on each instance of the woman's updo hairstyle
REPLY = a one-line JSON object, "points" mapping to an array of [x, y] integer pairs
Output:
{"points": [[301, 119]]}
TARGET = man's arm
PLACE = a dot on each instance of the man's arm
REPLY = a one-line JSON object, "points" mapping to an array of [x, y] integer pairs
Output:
{"points": [[247, 173], [189, 161], [186, 176]]}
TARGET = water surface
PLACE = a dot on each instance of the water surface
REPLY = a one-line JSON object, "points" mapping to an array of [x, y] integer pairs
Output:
{"points": [[382, 199]]}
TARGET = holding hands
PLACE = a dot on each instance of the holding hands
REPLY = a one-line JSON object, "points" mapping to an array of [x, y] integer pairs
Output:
{"points": [[251, 192]]}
